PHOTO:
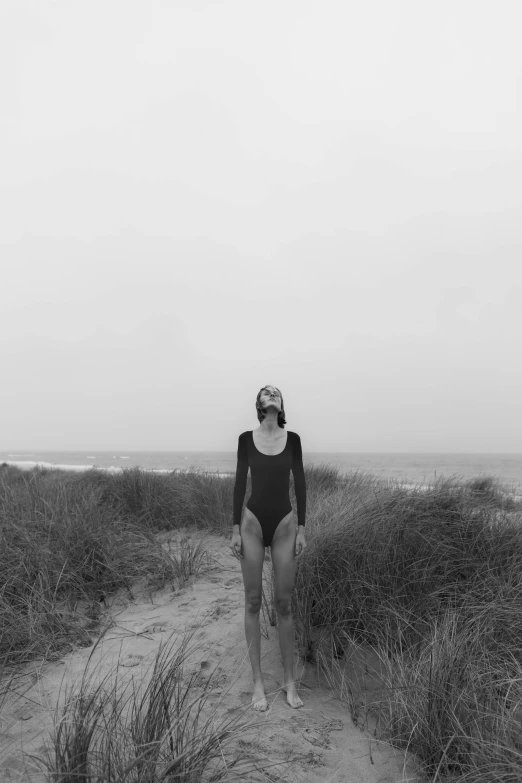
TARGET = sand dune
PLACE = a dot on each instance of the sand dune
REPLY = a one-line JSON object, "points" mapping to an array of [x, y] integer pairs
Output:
{"points": [[322, 730]]}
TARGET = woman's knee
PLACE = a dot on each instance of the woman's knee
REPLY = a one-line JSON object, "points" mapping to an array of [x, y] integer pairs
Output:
{"points": [[253, 602], [283, 606]]}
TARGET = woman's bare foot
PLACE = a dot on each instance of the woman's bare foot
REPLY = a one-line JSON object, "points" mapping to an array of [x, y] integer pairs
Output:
{"points": [[291, 695], [259, 698]]}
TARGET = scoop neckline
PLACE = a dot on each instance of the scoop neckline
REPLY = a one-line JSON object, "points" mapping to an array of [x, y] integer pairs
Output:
{"points": [[269, 455]]}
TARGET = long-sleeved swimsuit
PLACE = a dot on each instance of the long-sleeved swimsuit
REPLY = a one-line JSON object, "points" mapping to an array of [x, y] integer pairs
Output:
{"points": [[270, 474]]}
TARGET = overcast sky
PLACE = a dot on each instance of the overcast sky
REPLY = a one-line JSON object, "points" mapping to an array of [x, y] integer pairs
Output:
{"points": [[201, 198]]}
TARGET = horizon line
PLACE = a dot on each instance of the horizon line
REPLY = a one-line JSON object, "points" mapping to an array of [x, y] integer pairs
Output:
{"points": [[222, 451]]}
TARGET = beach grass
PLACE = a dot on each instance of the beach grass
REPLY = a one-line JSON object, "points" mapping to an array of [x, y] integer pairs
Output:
{"points": [[429, 579], [159, 726]]}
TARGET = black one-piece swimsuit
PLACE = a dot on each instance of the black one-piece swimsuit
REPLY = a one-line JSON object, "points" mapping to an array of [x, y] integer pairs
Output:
{"points": [[270, 474]]}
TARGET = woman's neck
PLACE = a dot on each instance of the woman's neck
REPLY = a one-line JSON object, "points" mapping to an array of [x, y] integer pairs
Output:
{"points": [[269, 426]]}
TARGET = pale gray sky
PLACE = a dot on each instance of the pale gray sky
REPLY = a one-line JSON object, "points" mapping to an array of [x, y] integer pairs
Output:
{"points": [[200, 198]]}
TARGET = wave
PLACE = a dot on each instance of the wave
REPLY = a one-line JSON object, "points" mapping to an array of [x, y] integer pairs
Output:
{"points": [[29, 465]]}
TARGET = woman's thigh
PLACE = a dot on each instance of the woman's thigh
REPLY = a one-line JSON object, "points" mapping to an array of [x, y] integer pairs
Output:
{"points": [[253, 551], [284, 563]]}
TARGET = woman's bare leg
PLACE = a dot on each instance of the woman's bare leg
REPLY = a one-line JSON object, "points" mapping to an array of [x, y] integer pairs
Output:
{"points": [[284, 565], [253, 551]]}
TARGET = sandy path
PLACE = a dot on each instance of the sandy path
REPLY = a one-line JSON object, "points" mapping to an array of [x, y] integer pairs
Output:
{"points": [[322, 730]]}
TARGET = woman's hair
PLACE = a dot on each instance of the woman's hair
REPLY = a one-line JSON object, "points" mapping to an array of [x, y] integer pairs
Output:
{"points": [[281, 420]]}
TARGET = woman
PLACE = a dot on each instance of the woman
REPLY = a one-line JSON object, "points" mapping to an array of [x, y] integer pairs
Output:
{"points": [[268, 520]]}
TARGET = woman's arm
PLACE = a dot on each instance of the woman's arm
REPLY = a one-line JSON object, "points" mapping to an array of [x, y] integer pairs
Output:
{"points": [[299, 481], [241, 480]]}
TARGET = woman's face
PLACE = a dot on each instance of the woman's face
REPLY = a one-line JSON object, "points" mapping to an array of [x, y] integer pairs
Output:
{"points": [[270, 396]]}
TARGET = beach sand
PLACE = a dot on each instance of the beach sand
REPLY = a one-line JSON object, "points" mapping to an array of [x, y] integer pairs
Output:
{"points": [[322, 731]]}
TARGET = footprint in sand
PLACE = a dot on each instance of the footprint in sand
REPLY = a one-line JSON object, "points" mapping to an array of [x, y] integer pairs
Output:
{"points": [[131, 660], [26, 711], [317, 739], [332, 724], [225, 606], [199, 622], [204, 671], [159, 627], [185, 606], [315, 759], [216, 610]]}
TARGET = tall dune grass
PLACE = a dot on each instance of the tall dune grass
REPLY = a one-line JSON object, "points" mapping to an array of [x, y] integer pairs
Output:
{"points": [[164, 727], [67, 541], [431, 581], [428, 579]]}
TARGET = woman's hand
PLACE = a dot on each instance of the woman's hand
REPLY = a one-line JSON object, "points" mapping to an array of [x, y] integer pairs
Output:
{"points": [[300, 544], [235, 546]]}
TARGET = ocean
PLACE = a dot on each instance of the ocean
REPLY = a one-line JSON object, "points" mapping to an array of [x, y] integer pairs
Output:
{"points": [[407, 467]]}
